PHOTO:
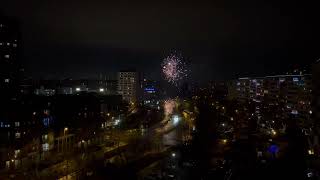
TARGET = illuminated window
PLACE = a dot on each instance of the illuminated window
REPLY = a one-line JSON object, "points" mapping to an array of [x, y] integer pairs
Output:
{"points": [[16, 152], [0, 43], [7, 56], [6, 80], [45, 147], [18, 135], [17, 124], [44, 137], [14, 45], [8, 44]]}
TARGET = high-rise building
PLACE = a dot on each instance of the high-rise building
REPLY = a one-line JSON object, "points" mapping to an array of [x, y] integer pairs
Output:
{"points": [[128, 85], [291, 91], [8, 58]]}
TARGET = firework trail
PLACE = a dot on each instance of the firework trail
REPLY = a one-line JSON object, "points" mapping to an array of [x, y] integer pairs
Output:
{"points": [[173, 69]]}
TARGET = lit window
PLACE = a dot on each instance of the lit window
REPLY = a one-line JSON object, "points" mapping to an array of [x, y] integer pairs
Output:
{"points": [[6, 80], [45, 137], [7, 164], [18, 135], [7, 56], [16, 153], [14, 45], [8, 44], [0, 43], [17, 124], [45, 147]]}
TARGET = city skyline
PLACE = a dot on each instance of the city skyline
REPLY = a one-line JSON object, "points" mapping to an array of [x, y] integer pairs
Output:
{"points": [[159, 90]]}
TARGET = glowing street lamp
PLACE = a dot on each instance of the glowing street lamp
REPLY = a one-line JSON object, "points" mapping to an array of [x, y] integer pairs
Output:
{"points": [[65, 130], [224, 141]]}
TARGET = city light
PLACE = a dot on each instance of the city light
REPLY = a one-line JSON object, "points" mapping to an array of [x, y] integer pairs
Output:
{"points": [[117, 122], [77, 89], [176, 119], [173, 154], [310, 152], [101, 90]]}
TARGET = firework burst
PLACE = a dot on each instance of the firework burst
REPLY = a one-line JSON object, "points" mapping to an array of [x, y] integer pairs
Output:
{"points": [[173, 69]]}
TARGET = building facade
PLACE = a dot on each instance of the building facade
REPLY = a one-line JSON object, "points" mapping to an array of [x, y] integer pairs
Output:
{"points": [[128, 85], [281, 95], [9, 36]]}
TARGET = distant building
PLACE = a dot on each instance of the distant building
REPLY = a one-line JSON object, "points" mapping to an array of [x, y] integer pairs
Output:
{"points": [[151, 93], [9, 36], [129, 85], [11, 127], [74, 86], [232, 90], [293, 92]]}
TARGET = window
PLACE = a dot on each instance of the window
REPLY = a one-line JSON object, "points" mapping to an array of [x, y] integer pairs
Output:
{"points": [[45, 147], [18, 135], [8, 44], [6, 80], [14, 45], [7, 164], [7, 56], [17, 124], [16, 153], [44, 137]]}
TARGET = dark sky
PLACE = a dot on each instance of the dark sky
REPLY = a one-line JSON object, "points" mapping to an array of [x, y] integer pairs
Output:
{"points": [[219, 39]]}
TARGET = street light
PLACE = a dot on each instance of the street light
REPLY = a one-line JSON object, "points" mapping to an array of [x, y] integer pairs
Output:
{"points": [[224, 141], [65, 130], [65, 139]]}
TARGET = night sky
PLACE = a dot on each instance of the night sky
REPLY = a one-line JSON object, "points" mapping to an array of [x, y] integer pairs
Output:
{"points": [[219, 39]]}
